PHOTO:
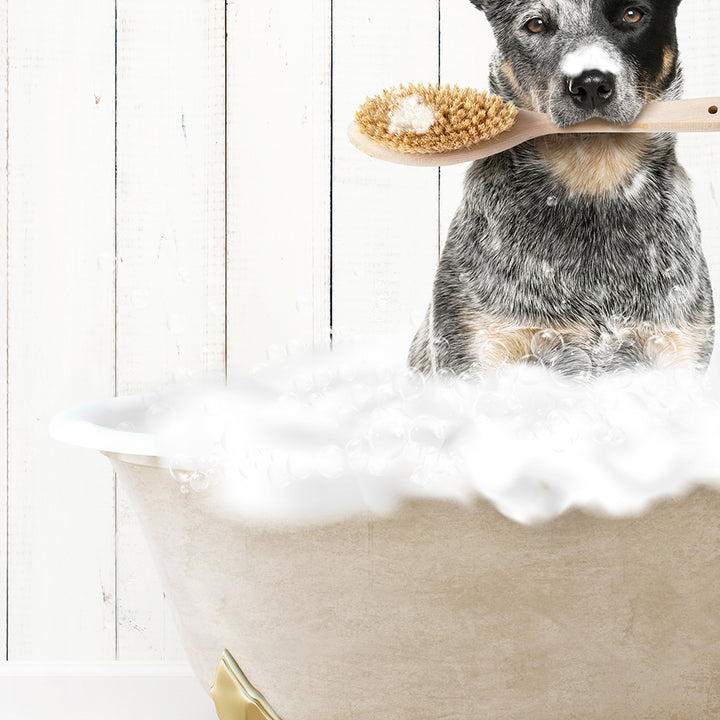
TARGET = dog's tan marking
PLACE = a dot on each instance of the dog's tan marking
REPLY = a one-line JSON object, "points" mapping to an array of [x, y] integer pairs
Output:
{"points": [[592, 165], [663, 347], [495, 341], [668, 64], [523, 97], [656, 86], [673, 346]]}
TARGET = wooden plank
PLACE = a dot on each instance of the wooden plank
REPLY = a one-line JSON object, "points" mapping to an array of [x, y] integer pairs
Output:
{"points": [[700, 154], [171, 246], [466, 44], [385, 217], [60, 326], [3, 324], [278, 178]]}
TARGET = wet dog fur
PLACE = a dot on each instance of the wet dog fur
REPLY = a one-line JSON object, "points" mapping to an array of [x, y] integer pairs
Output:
{"points": [[581, 252]]}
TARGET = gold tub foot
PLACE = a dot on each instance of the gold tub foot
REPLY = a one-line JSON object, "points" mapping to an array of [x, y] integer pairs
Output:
{"points": [[234, 697]]}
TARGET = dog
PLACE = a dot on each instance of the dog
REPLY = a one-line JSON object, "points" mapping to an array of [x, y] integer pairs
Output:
{"points": [[578, 252]]}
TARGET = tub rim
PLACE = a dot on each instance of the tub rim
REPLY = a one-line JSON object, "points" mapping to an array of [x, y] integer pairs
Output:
{"points": [[93, 425]]}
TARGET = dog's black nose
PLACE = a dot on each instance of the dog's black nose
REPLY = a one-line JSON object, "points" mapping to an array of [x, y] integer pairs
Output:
{"points": [[592, 89]]}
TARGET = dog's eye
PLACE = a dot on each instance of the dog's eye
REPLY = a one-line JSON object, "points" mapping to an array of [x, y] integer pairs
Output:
{"points": [[632, 16], [535, 25]]}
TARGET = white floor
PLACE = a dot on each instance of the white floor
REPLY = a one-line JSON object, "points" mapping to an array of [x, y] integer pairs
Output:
{"points": [[111, 691]]}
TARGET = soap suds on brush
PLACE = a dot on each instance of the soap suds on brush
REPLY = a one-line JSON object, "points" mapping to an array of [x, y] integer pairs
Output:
{"points": [[411, 115], [320, 438]]}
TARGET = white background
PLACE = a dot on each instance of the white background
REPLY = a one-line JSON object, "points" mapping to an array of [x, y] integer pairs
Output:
{"points": [[144, 240]]}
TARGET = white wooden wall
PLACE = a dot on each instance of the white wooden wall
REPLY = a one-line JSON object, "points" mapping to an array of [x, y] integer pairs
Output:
{"points": [[146, 239]]}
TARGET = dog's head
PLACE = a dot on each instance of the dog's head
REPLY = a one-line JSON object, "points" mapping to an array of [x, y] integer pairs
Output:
{"points": [[577, 59]]}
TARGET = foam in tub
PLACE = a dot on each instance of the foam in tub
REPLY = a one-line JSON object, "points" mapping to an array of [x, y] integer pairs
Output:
{"points": [[321, 438]]}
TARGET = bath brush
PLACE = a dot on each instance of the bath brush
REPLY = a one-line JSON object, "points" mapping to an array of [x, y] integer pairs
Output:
{"points": [[435, 125]]}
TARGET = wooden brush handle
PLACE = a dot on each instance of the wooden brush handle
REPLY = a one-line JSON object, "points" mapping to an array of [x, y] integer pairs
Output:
{"points": [[695, 115]]}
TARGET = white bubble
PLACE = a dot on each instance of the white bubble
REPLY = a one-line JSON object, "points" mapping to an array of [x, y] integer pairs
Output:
{"points": [[428, 431], [200, 480], [546, 341], [300, 465], [388, 436], [331, 462], [356, 455], [492, 351], [679, 295], [279, 470], [660, 348], [376, 465], [175, 466]]}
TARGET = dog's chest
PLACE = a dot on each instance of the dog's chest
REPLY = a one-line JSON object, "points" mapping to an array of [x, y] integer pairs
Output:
{"points": [[593, 166]]}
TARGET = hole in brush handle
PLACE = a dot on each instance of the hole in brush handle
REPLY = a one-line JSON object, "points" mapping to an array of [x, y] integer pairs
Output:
{"points": [[713, 109]]}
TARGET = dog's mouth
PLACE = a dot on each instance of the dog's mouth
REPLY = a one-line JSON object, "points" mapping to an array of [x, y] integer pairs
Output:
{"points": [[592, 95]]}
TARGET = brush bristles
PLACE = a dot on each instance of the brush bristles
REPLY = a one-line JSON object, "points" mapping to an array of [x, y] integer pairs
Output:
{"points": [[433, 118]]}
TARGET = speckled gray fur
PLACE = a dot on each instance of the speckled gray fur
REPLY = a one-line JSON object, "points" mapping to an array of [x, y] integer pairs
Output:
{"points": [[525, 248]]}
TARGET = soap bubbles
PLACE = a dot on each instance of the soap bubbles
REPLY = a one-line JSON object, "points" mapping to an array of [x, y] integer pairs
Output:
{"points": [[319, 437], [679, 296], [300, 464], [546, 342], [331, 462], [661, 349], [194, 475], [387, 437]]}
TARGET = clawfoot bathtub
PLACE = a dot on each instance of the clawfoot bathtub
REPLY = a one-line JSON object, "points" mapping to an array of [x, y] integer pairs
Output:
{"points": [[439, 609]]}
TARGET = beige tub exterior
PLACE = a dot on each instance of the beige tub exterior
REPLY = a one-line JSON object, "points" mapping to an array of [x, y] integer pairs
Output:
{"points": [[447, 611]]}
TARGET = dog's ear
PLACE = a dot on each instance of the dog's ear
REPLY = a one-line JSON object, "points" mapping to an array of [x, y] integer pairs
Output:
{"points": [[487, 6]]}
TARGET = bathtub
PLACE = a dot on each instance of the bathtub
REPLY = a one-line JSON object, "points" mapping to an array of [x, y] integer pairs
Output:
{"points": [[440, 609]]}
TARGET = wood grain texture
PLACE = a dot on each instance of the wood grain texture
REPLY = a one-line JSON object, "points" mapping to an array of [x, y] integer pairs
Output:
{"points": [[170, 246], [278, 179], [385, 218], [700, 155], [60, 326], [3, 323], [466, 45]]}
